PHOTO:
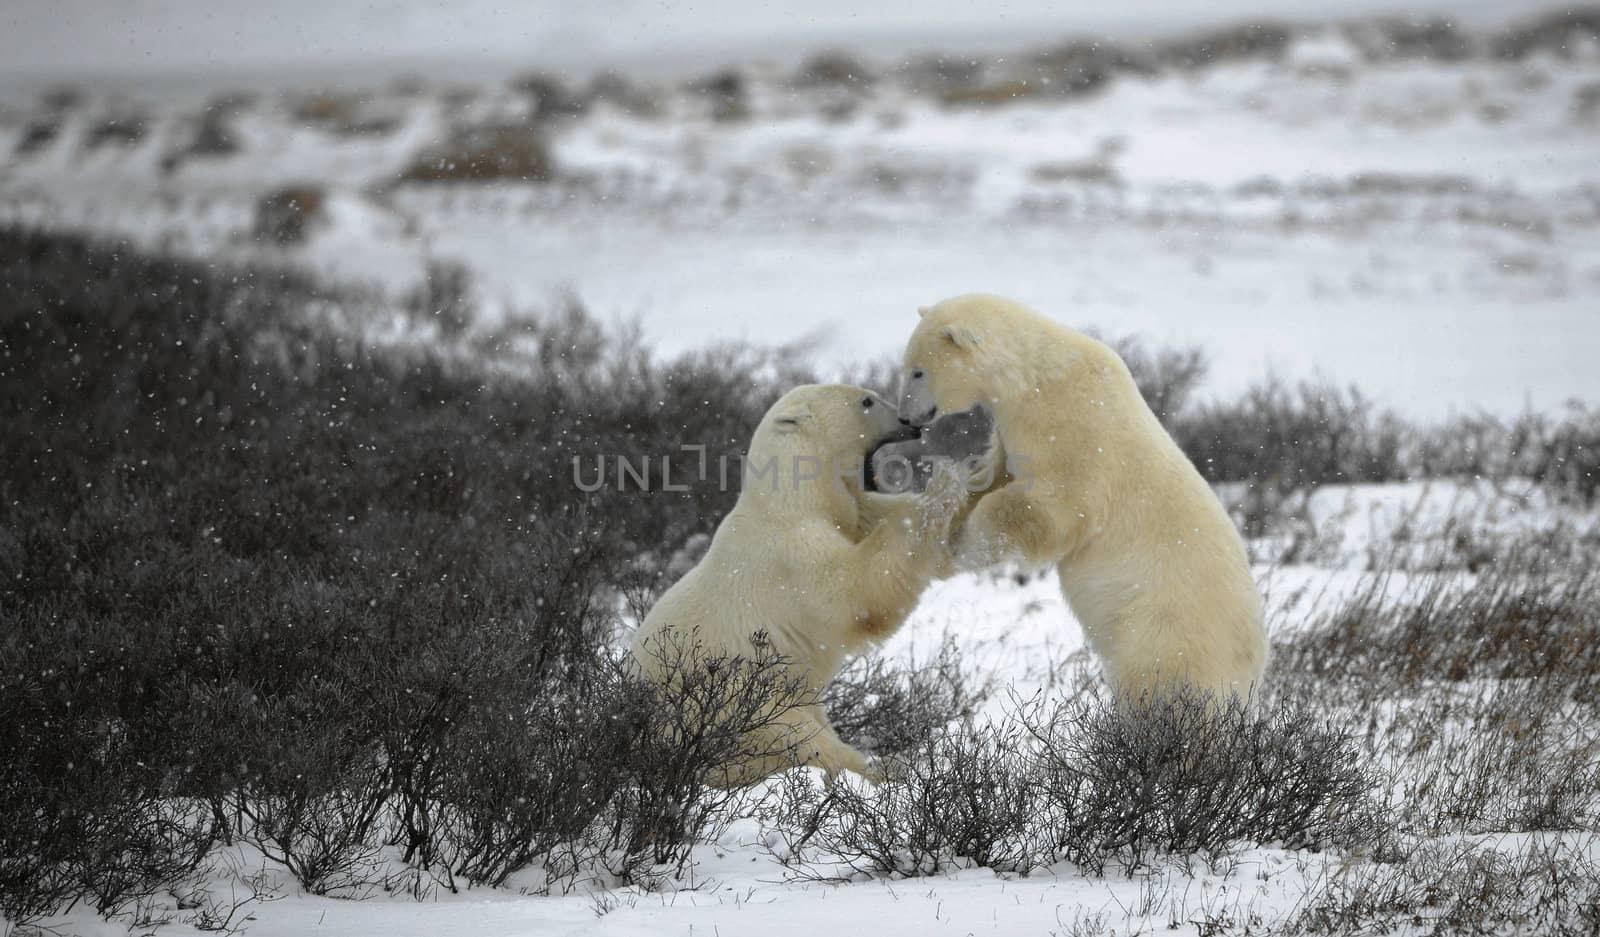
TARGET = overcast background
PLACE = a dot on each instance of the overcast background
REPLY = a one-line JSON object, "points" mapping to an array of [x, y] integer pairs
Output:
{"points": [[73, 37], [1409, 212]]}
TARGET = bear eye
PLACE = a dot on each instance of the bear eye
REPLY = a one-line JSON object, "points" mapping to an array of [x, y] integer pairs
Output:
{"points": [[916, 375], [866, 403]]}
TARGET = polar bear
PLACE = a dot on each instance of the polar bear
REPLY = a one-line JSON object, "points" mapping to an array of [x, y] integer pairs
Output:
{"points": [[787, 564], [1149, 560]]}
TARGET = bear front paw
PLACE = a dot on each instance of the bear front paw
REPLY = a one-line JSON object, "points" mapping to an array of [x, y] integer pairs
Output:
{"points": [[975, 554], [942, 500], [839, 759]]}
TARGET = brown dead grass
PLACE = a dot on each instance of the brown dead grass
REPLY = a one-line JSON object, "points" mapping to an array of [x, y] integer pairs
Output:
{"points": [[287, 215], [486, 154]]}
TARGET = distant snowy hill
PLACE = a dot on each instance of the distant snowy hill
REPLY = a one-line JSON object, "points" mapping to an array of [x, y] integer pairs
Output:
{"points": [[74, 37], [1409, 205]]}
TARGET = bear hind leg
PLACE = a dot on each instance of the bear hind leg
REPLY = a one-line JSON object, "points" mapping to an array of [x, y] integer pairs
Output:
{"points": [[799, 738]]}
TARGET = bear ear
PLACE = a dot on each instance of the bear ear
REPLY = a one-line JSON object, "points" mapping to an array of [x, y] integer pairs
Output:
{"points": [[922, 311], [790, 420], [960, 336]]}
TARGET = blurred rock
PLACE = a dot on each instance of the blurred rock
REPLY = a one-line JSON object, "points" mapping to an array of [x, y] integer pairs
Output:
{"points": [[288, 215]]}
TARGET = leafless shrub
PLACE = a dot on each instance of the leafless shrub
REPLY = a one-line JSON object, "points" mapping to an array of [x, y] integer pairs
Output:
{"points": [[967, 798], [996, 93], [598, 773], [445, 297], [1234, 43], [1558, 32], [1293, 438], [833, 69], [1401, 183], [938, 74], [1167, 377], [1286, 440], [878, 374], [1562, 453], [1086, 65], [213, 138], [1509, 758], [1527, 617], [1489, 680], [631, 97], [1094, 171], [728, 93], [210, 911], [313, 793], [520, 781], [116, 130], [1412, 38], [717, 724], [1095, 782], [86, 810], [1544, 886], [553, 96], [188, 712], [288, 215], [326, 108], [309, 627], [344, 113], [37, 135], [504, 722], [486, 154], [877, 704], [1178, 773]]}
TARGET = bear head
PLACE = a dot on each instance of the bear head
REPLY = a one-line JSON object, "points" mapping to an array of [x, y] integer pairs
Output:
{"points": [[955, 357], [812, 445], [987, 349]]}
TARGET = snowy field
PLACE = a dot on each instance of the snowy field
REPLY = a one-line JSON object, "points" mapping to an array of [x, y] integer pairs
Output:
{"points": [[1421, 222], [1016, 634]]}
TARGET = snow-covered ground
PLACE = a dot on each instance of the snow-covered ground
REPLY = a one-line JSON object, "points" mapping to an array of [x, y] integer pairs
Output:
{"points": [[1424, 229], [1015, 631], [744, 893]]}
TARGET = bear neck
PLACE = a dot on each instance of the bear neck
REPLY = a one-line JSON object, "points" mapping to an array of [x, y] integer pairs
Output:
{"points": [[1098, 401], [782, 496]]}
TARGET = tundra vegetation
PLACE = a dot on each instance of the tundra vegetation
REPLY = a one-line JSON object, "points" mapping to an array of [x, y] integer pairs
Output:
{"points": [[270, 583]]}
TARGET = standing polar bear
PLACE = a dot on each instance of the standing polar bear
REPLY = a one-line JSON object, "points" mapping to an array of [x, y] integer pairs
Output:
{"points": [[787, 563], [1149, 560]]}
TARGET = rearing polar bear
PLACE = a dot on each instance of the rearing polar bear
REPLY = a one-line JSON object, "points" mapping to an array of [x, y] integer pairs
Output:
{"points": [[787, 563], [1149, 560]]}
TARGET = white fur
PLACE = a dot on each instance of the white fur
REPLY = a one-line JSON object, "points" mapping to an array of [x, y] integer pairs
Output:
{"points": [[787, 561], [1149, 560]]}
